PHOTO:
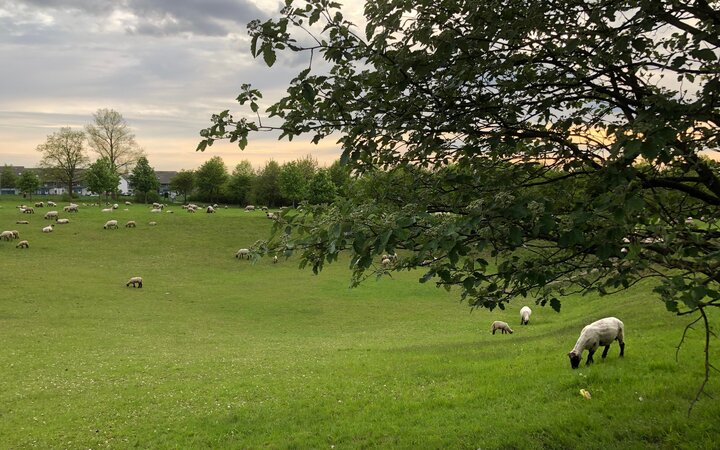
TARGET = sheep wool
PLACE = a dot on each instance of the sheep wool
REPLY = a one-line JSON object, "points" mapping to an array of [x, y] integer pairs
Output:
{"points": [[135, 281], [23, 244], [525, 312], [502, 326], [599, 333]]}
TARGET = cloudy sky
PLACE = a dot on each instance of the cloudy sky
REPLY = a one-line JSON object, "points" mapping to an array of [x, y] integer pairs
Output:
{"points": [[165, 65]]}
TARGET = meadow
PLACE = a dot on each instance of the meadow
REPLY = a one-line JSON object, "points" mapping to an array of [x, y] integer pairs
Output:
{"points": [[215, 352]]}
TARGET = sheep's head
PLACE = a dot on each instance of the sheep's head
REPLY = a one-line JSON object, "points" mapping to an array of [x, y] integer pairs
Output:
{"points": [[574, 360]]}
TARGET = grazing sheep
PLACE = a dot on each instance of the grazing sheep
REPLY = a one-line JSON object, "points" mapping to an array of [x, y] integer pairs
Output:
{"points": [[127, 203], [16, 234], [51, 203], [72, 207], [39, 204], [210, 210], [502, 326], [27, 210], [130, 224], [7, 235], [152, 224], [134, 281], [156, 210], [275, 259], [110, 224], [22, 222], [525, 312], [250, 208], [106, 210], [600, 333], [158, 205], [51, 215], [272, 216], [242, 253], [48, 229], [22, 244], [386, 262], [61, 221]]}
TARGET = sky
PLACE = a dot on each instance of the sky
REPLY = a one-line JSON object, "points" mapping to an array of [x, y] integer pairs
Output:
{"points": [[165, 65]]}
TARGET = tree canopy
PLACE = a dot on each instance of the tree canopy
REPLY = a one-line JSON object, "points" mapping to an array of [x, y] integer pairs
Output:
{"points": [[8, 179], [28, 182], [183, 183], [550, 147], [210, 178], [63, 155], [110, 137], [143, 178], [101, 178]]}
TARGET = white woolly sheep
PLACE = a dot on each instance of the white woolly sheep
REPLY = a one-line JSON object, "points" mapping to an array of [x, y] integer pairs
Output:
{"points": [[156, 210], [48, 229], [62, 221], [130, 224], [135, 281], [16, 234], [51, 215], [51, 203], [599, 333], [502, 326], [272, 216], [110, 224], [210, 210], [242, 253], [115, 206], [152, 224], [275, 259], [127, 203], [22, 244], [250, 208], [39, 204], [525, 312], [106, 210], [28, 210], [7, 235], [72, 207], [385, 262], [22, 222]]}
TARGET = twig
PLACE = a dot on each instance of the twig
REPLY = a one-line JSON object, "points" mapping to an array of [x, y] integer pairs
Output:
{"points": [[707, 362], [689, 326]]}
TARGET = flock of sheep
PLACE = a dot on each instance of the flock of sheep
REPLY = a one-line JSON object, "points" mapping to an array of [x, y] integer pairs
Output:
{"points": [[600, 333]]}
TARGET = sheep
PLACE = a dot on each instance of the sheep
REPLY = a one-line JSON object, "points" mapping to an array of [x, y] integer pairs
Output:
{"points": [[250, 208], [115, 206], [272, 216], [242, 253], [51, 203], [275, 259], [72, 207], [22, 244], [525, 312], [127, 203], [28, 210], [156, 210], [7, 235], [110, 224], [130, 224], [106, 210], [48, 229], [135, 281], [39, 204], [156, 205], [385, 262], [51, 215], [22, 222], [61, 221], [599, 333], [16, 234], [210, 210], [152, 224], [502, 326]]}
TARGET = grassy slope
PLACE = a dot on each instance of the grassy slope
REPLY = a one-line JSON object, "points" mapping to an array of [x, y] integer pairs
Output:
{"points": [[215, 352]]}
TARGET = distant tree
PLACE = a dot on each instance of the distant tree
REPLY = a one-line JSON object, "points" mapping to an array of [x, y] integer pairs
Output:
{"points": [[28, 182], [100, 177], [183, 183], [110, 137], [340, 175], [8, 179], [322, 189], [266, 188], [63, 156], [143, 178], [239, 186], [210, 177]]}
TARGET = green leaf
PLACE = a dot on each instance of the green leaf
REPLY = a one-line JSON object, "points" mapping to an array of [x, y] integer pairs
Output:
{"points": [[269, 55]]}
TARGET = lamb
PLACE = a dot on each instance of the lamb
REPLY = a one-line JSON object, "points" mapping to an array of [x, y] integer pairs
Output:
{"points": [[48, 229], [51, 215], [502, 326], [23, 244], [525, 312], [61, 221], [135, 281], [7, 235], [600, 333], [130, 224], [242, 253], [110, 224]]}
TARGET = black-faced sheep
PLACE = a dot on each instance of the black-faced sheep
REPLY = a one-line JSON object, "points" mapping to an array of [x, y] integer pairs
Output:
{"points": [[28, 211], [48, 229], [243, 253], [250, 208], [39, 204], [110, 224], [7, 235], [135, 281], [130, 224], [22, 222], [600, 333], [51, 215], [525, 312], [51, 203], [209, 210], [502, 326], [22, 244], [62, 221]]}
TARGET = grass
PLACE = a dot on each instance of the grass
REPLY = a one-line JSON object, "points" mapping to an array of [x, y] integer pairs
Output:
{"points": [[214, 352]]}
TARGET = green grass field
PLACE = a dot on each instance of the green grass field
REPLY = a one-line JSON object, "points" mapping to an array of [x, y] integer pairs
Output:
{"points": [[214, 352]]}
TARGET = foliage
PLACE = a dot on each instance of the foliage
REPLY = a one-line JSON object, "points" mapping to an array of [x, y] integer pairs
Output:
{"points": [[28, 182], [8, 179], [321, 189], [295, 178], [340, 175], [101, 178], [266, 189], [143, 178], [183, 183], [110, 137], [210, 178], [63, 155], [238, 188]]}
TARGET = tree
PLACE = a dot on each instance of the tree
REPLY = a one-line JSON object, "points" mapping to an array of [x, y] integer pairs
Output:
{"points": [[28, 182], [266, 189], [294, 180], [321, 189], [183, 183], [561, 141], [239, 185], [143, 178], [110, 137], [8, 179], [340, 175], [100, 177], [64, 155], [210, 178]]}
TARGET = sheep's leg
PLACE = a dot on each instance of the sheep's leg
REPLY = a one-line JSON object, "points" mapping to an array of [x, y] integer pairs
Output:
{"points": [[607, 347], [622, 349], [590, 358]]}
